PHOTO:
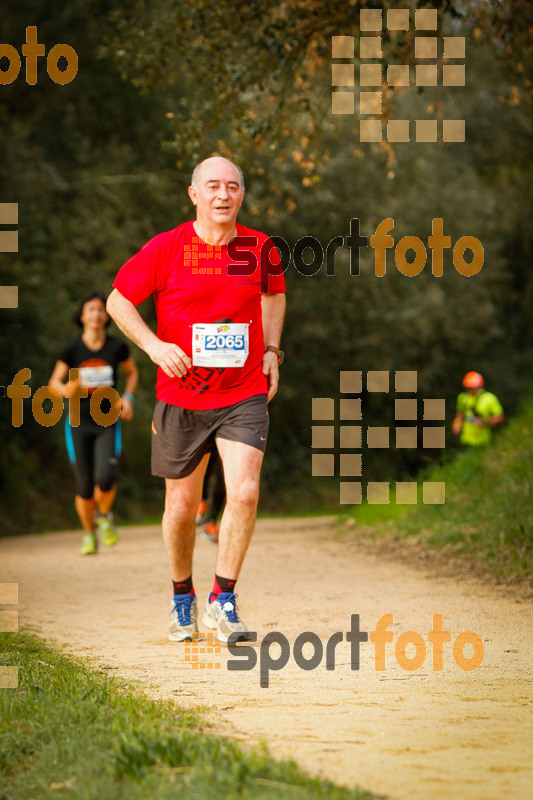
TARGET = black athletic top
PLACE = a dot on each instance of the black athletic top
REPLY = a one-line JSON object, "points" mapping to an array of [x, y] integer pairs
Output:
{"points": [[97, 368]]}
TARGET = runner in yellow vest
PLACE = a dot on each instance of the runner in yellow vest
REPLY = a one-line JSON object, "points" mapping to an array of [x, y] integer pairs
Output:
{"points": [[478, 412]]}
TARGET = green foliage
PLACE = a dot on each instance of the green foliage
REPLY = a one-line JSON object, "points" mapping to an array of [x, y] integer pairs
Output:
{"points": [[488, 512], [83, 186], [69, 730], [250, 78], [93, 168]]}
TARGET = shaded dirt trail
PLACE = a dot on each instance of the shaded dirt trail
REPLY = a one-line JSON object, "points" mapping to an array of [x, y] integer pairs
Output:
{"points": [[419, 734]]}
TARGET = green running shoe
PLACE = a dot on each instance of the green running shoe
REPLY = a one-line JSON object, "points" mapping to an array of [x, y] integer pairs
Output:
{"points": [[107, 530], [89, 544]]}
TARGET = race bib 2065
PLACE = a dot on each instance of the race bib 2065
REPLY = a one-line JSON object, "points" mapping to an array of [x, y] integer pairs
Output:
{"points": [[220, 344]]}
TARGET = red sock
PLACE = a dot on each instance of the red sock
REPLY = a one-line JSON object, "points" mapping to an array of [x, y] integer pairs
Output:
{"points": [[221, 585]]}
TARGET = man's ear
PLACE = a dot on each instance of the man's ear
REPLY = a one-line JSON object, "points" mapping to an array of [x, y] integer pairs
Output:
{"points": [[192, 194]]}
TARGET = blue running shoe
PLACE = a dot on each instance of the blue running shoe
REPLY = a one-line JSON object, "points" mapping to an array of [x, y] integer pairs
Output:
{"points": [[183, 614], [222, 615]]}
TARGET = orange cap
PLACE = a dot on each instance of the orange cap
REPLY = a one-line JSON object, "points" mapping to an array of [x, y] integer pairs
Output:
{"points": [[473, 380]]}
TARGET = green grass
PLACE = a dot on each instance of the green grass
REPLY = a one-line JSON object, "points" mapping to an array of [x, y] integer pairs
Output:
{"points": [[488, 513], [71, 732]]}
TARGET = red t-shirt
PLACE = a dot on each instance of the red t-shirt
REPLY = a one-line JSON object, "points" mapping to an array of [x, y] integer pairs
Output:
{"points": [[190, 284]]}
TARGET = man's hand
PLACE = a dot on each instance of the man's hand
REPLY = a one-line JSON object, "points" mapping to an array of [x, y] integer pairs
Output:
{"points": [[172, 359], [271, 370]]}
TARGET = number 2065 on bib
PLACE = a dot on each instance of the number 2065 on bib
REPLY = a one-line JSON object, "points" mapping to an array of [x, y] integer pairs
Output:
{"points": [[220, 344]]}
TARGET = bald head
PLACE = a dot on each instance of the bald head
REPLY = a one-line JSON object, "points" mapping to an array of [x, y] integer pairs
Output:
{"points": [[217, 191], [203, 170]]}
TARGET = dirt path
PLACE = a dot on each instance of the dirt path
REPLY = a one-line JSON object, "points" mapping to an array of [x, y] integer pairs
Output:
{"points": [[409, 735]]}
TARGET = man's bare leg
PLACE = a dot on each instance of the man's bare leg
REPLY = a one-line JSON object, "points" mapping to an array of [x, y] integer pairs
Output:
{"points": [[242, 469], [181, 502], [179, 532]]}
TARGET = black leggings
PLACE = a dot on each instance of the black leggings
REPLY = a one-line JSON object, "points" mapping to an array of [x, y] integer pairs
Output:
{"points": [[214, 488], [93, 452]]}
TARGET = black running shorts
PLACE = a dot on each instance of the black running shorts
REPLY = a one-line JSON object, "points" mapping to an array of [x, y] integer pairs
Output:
{"points": [[181, 437]]}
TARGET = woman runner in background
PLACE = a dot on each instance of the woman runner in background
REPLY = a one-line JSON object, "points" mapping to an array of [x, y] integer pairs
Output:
{"points": [[94, 449]]}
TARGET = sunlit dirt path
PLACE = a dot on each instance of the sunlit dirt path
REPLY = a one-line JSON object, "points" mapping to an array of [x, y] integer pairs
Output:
{"points": [[406, 734]]}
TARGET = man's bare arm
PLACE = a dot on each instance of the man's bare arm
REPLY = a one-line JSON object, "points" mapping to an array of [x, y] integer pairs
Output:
{"points": [[171, 358], [273, 310]]}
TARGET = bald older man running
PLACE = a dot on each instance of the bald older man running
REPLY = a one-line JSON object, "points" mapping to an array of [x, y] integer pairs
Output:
{"points": [[217, 348]]}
